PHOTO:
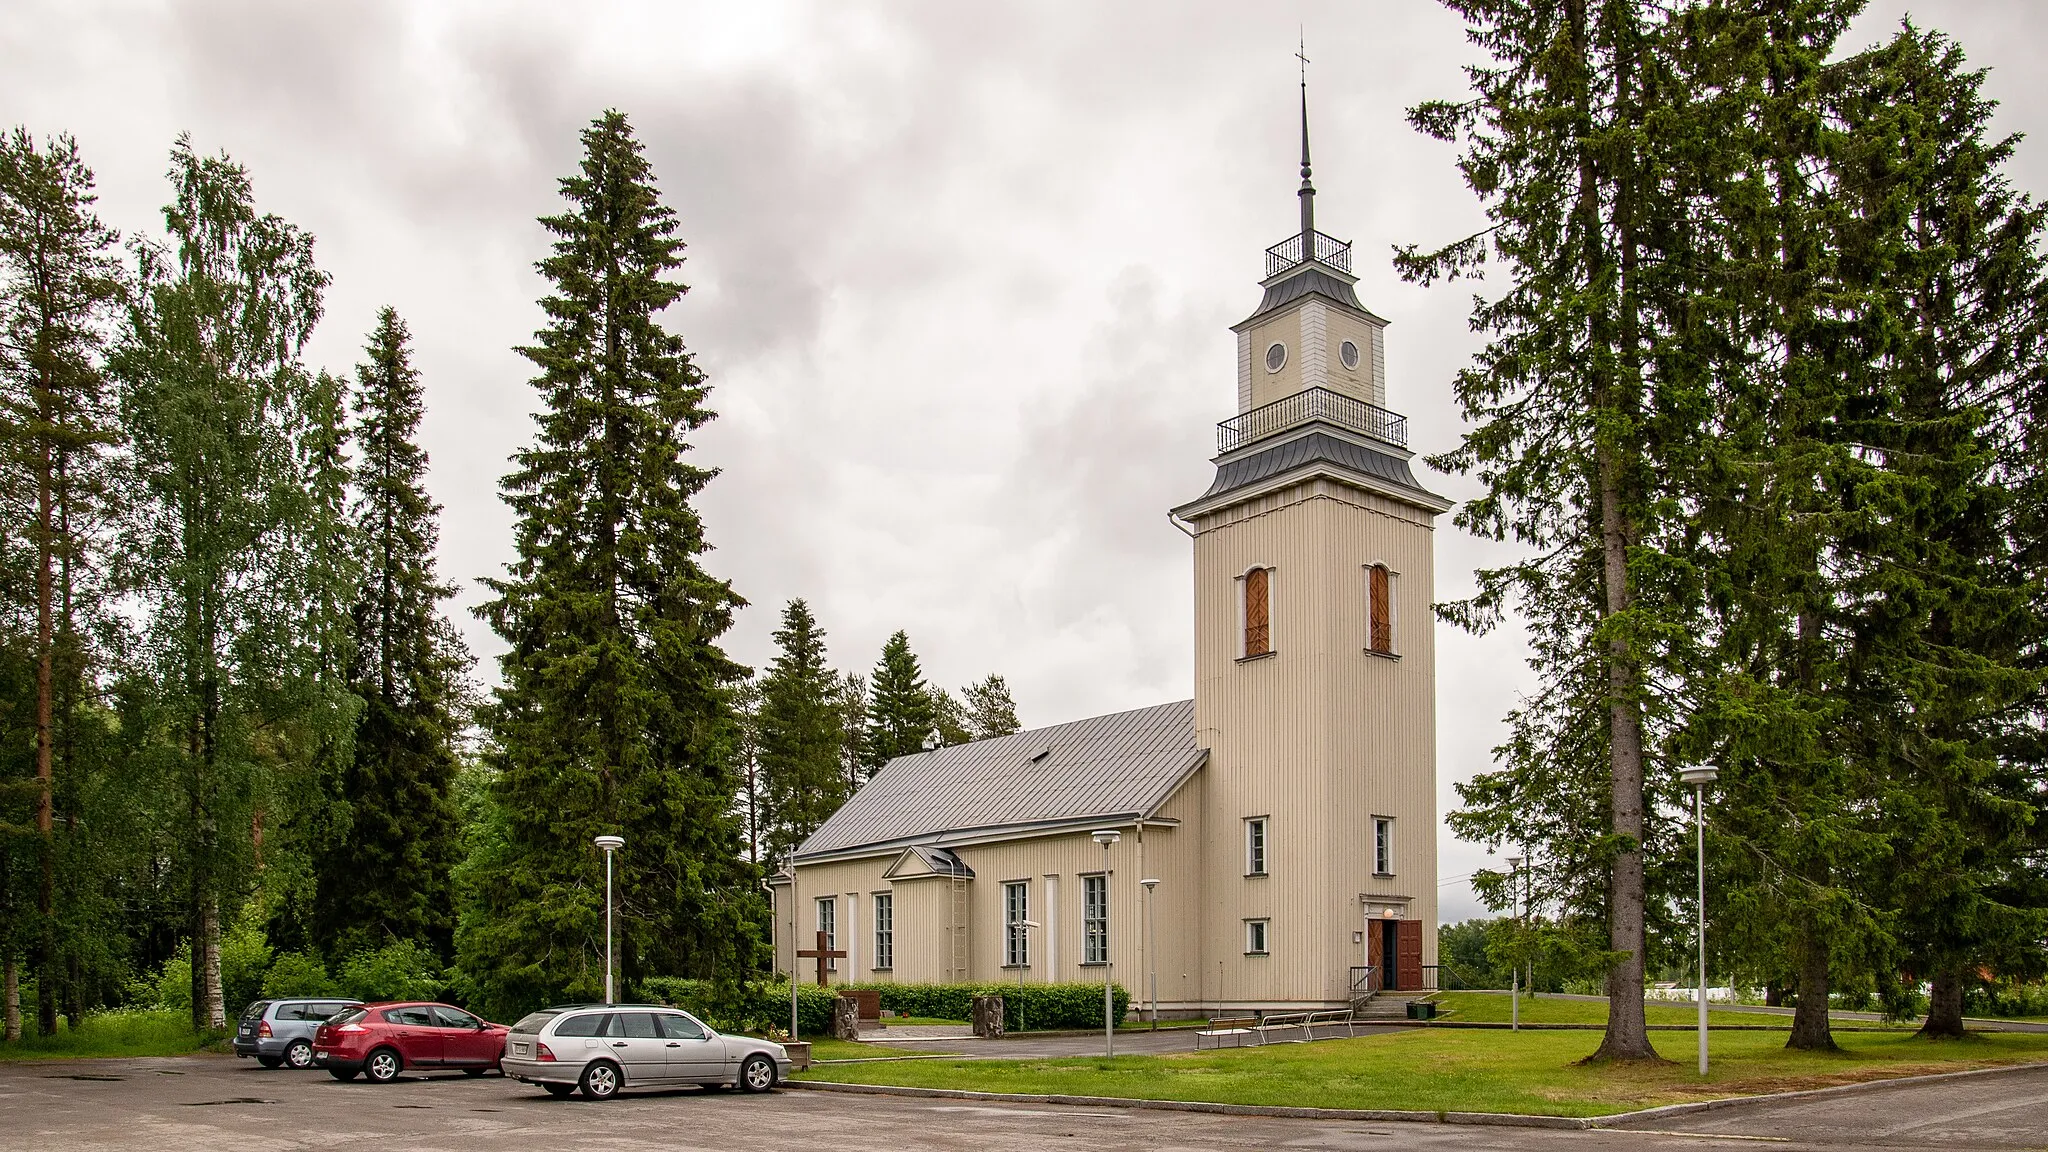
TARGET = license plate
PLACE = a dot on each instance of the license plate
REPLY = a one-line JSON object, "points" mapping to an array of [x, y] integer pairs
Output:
{"points": [[519, 1049]]}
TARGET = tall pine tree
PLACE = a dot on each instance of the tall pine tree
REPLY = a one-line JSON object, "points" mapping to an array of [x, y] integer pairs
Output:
{"points": [[800, 735], [901, 716], [615, 714], [59, 281], [387, 879]]}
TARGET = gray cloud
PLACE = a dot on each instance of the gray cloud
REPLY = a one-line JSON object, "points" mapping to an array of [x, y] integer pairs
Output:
{"points": [[961, 273]]}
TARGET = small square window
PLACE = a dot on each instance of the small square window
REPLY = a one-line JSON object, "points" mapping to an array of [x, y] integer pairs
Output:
{"points": [[1255, 937], [1255, 846]]}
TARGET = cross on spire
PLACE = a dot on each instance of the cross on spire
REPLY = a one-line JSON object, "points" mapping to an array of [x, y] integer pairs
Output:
{"points": [[1308, 190]]}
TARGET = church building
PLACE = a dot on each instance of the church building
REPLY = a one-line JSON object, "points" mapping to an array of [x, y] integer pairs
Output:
{"points": [[1268, 844]]}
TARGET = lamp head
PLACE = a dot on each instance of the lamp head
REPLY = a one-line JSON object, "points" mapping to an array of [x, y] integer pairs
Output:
{"points": [[1107, 836], [1514, 862], [609, 843], [1699, 777], [1150, 882]]}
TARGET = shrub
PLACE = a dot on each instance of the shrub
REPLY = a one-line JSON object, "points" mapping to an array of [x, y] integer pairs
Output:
{"points": [[401, 971], [750, 1007], [297, 974], [1070, 1005], [2006, 1000]]}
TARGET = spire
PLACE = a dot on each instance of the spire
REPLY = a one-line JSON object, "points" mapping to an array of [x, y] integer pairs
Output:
{"points": [[1308, 190]]}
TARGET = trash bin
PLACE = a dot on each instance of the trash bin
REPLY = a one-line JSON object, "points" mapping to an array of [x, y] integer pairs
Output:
{"points": [[1422, 1009]]}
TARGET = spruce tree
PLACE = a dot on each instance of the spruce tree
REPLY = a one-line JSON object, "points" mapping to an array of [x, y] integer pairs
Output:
{"points": [[59, 281], [800, 735], [901, 717], [1587, 405], [851, 696], [949, 718], [615, 714], [387, 880]]}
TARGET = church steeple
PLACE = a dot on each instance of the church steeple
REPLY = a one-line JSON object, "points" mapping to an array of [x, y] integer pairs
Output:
{"points": [[1308, 190]]}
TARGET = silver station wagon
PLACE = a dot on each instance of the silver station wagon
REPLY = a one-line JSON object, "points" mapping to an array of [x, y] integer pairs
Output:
{"points": [[601, 1048]]}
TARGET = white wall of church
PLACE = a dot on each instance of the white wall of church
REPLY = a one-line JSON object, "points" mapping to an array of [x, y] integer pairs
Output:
{"points": [[1317, 738]]}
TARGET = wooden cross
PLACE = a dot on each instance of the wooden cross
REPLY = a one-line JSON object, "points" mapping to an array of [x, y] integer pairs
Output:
{"points": [[823, 953]]}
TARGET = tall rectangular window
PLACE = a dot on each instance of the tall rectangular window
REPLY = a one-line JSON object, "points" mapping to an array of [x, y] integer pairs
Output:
{"points": [[1255, 846], [885, 930], [1257, 611], [1016, 910], [1255, 937], [1094, 919], [828, 923], [1383, 846], [1380, 594]]}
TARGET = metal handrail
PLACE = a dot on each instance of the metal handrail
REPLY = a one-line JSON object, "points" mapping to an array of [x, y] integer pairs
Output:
{"points": [[1365, 981], [1305, 406], [1328, 250]]}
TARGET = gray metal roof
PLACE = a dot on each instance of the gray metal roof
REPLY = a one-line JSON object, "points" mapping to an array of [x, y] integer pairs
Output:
{"points": [[1298, 452], [1121, 765], [1308, 279]]}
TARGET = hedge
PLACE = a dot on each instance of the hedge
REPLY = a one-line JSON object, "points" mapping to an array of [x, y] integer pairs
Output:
{"points": [[759, 1007]]}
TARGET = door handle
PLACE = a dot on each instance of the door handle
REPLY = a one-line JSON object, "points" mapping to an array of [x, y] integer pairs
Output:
{"points": [[674, 1044], [618, 1043]]}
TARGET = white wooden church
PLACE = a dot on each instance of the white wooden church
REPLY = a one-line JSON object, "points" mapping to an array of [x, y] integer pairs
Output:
{"points": [[1287, 812]]}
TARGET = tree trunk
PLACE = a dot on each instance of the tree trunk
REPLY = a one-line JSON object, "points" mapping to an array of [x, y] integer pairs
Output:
{"points": [[1810, 1030], [46, 829], [1774, 995], [10, 991], [1944, 1006], [207, 966]]}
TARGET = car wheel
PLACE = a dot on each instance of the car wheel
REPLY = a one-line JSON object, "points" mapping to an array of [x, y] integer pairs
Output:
{"points": [[271, 1061], [383, 1066], [474, 1071], [600, 1081], [344, 1074], [757, 1073], [299, 1054], [559, 1090]]}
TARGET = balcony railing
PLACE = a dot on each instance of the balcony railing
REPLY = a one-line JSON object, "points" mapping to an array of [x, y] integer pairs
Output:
{"points": [[1287, 253], [1314, 404]]}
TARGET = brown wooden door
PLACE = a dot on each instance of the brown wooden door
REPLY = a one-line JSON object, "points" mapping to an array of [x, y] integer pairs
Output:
{"points": [[1408, 953]]}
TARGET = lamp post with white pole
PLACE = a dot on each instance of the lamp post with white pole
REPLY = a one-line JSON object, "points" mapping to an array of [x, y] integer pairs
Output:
{"points": [[610, 844], [1151, 949], [1699, 778], [1515, 966], [1107, 837]]}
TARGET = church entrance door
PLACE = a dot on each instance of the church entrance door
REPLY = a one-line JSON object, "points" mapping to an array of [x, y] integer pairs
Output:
{"points": [[1395, 948]]}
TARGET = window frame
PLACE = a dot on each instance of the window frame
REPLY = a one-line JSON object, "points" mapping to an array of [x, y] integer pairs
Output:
{"points": [[1376, 571], [828, 923], [1258, 930], [1244, 614], [1382, 845], [1094, 919], [1016, 910], [885, 931], [1257, 838]]}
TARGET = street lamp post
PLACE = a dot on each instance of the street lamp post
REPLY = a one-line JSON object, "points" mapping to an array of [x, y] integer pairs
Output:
{"points": [[1515, 965], [1699, 778], [1151, 949], [610, 844], [1107, 837]]}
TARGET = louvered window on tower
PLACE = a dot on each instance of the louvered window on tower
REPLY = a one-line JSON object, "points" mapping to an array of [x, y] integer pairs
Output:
{"points": [[1381, 594], [1257, 610]]}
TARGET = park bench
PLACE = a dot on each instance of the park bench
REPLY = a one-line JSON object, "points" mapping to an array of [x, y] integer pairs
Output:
{"points": [[1232, 1029], [1333, 1018], [1281, 1023]]}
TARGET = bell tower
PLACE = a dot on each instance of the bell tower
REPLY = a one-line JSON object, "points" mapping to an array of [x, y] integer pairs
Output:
{"points": [[1315, 682]]}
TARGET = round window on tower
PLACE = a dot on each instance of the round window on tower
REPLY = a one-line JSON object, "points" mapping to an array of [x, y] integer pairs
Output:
{"points": [[1276, 357], [1349, 354]]}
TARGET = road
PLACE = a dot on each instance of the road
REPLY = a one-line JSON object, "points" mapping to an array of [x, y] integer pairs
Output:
{"points": [[218, 1103]]}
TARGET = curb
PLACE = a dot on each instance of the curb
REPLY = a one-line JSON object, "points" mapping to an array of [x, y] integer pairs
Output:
{"points": [[1613, 1120]]}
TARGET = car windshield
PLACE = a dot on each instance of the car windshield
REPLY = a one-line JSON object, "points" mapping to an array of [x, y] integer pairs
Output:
{"points": [[349, 1017], [534, 1021]]}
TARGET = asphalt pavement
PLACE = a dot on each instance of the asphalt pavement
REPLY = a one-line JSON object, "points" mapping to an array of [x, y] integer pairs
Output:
{"points": [[219, 1103]]}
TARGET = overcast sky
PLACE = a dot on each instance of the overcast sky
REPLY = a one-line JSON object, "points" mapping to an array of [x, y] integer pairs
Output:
{"points": [[961, 274]]}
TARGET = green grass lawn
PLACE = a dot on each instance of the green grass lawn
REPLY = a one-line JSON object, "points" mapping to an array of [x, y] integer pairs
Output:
{"points": [[112, 1034], [1452, 1070], [1493, 1007]]}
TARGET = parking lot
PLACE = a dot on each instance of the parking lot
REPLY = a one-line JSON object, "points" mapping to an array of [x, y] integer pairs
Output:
{"points": [[218, 1103]]}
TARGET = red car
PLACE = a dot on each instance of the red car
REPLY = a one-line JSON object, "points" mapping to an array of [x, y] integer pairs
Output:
{"points": [[382, 1040]]}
